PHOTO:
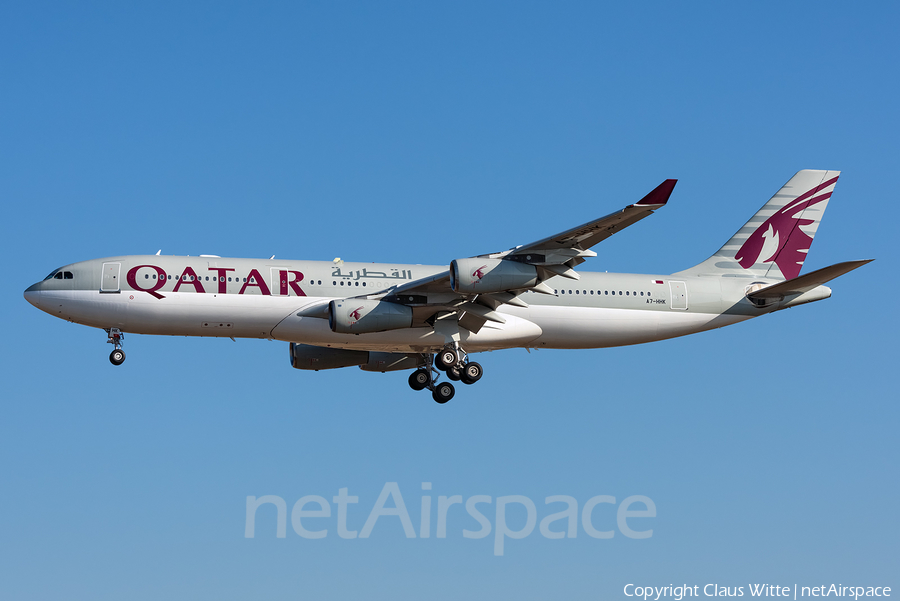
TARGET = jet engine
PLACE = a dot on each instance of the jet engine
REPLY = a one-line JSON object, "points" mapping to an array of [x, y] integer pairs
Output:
{"points": [[362, 316], [307, 356], [490, 275], [391, 362]]}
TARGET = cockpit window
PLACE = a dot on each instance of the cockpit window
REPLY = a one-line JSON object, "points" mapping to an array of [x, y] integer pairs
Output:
{"points": [[58, 276], [52, 273], [67, 275]]}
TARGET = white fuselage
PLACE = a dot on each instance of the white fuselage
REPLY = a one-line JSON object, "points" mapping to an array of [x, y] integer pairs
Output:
{"points": [[252, 298]]}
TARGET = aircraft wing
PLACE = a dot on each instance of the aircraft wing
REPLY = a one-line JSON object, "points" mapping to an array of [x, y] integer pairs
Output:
{"points": [[546, 258], [584, 236]]}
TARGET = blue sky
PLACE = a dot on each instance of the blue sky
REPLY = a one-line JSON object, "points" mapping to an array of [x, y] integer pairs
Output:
{"points": [[421, 133]]}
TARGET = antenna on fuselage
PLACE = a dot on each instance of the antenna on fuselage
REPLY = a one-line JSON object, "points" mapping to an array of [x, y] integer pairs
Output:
{"points": [[159, 251], [272, 257]]}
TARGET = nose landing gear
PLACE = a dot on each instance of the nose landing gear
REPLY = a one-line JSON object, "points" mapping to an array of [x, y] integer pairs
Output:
{"points": [[453, 361], [117, 356]]}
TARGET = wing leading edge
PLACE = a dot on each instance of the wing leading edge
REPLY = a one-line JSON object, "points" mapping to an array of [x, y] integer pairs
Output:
{"points": [[587, 235], [555, 255]]}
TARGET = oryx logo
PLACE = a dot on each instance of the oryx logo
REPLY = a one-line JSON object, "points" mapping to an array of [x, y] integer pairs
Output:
{"points": [[780, 238], [355, 316], [478, 274]]}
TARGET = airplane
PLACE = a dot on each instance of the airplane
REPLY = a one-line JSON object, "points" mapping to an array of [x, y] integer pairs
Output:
{"points": [[431, 319]]}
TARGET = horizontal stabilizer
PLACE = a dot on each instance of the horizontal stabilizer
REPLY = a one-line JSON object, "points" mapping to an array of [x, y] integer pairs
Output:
{"points": [[807, 282]]}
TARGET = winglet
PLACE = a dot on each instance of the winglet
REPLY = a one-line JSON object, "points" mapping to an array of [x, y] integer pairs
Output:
{"points": [[660, 195]]}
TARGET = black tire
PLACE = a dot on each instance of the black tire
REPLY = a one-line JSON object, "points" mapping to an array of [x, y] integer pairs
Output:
{"points": [[472, 372], [445, 359], [443, 392], [454, 374], [419, 379], [117, 357]]}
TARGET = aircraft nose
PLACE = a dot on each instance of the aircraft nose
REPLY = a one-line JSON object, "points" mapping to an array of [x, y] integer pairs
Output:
{"points": [[33, 294]]}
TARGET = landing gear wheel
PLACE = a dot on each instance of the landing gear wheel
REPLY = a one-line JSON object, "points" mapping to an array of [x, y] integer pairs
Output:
{"points": [[446, 359], [454, 374], [419, 379], [471, 373], [117, 357], [443, 392]]}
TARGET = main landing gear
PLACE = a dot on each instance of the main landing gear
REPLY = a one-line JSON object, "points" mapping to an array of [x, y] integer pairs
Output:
{"points": [[454, 362], [117, 357]]}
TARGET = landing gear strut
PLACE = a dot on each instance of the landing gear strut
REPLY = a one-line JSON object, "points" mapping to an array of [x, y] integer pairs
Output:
{"points": [[453, 361], [117, 357]]}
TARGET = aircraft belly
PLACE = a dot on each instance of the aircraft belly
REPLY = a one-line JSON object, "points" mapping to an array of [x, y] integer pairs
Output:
{"points": [[177, 314], [246, 316], [593, 327], [87, 307], [258, 316]]}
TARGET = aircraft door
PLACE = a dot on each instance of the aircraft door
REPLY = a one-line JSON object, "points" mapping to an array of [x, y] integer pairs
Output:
{"points": [[678, 291], [279, 281], [287, 282], [109, 279]]}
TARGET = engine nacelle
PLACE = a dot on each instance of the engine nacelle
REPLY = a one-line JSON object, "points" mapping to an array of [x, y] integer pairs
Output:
{"points": [[379, 361], [490, 275], [306, 356], [361, 316]]}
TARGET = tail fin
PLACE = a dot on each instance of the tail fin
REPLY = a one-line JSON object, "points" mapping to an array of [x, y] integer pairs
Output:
{"points": [[774, 243]]}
